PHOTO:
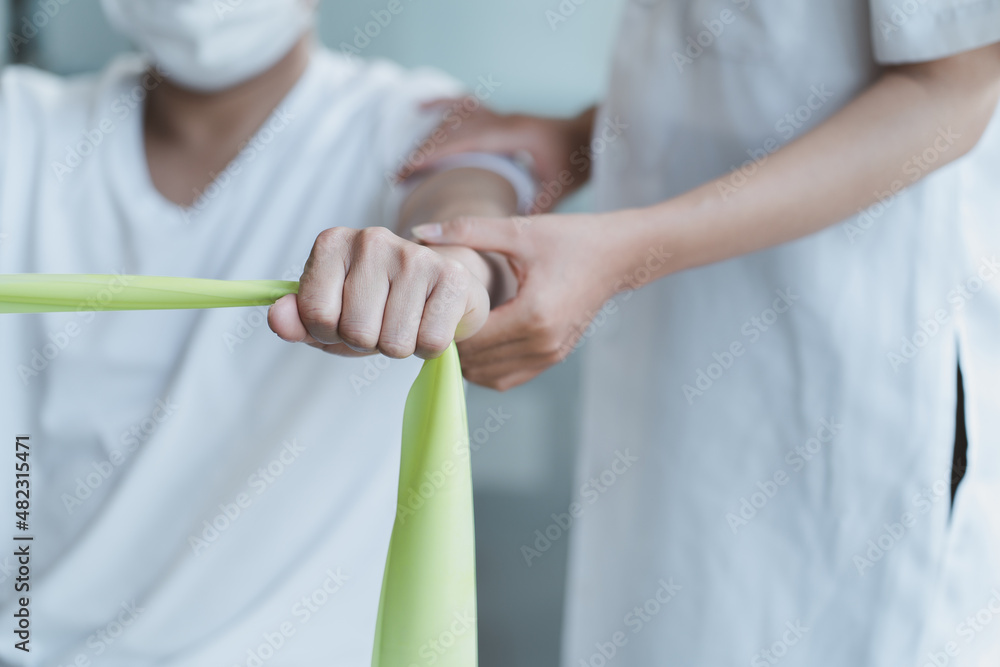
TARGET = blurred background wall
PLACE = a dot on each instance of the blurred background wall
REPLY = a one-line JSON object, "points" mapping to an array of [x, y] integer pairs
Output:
{"points": [[544, 65]]}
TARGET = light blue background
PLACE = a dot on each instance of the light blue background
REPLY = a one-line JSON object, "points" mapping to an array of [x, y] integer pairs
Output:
{"points": [[523, 471]]}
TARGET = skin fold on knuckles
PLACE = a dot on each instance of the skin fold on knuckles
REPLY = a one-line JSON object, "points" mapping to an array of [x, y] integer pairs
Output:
{"points": [[374, 292]]}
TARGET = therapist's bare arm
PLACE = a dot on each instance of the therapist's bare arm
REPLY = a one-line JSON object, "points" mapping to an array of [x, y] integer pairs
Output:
{"points": [[875, 143], [370, 290], [910, 122]]}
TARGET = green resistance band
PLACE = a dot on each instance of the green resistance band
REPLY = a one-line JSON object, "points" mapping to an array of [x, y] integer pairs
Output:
{"points": [[427, 609], [427, 612], [54, 293]]}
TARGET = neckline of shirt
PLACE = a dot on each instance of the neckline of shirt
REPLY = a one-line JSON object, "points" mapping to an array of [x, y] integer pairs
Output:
{"points": [[130, 164]]}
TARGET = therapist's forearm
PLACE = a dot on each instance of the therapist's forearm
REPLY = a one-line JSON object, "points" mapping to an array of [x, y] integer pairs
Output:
{"points": [[881, 141], [461, 193]]}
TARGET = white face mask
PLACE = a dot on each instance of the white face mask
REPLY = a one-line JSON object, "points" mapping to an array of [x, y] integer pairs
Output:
{"points": [[210, 45]]}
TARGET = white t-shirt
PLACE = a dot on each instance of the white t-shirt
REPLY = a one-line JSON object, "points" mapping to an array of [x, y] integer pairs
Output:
{"points": [[202, 493], [788, 417]]}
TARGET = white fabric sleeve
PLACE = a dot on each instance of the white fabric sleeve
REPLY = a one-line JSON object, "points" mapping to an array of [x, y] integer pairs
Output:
{"points": [[906, 31]]}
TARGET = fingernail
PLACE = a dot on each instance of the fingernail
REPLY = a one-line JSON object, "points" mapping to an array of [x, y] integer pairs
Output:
{"points": [[427, 232]]}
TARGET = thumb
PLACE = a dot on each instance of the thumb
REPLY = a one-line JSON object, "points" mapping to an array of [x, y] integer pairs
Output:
{"points": [[476, 311], [502, 235]]}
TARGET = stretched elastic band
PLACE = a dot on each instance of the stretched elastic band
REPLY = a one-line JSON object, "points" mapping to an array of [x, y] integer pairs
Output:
{"points": [[53, 293]]}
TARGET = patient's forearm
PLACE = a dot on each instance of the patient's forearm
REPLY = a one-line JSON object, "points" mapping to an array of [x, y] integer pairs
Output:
{"points": [[465, 192]]}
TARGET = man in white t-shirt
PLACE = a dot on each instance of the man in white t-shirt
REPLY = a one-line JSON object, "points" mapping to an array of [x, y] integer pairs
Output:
{"points": [[203, 493]]}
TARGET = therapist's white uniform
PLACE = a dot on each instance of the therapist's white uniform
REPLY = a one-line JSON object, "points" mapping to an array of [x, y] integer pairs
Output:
{"points": [[789, 415], [151, 431]]}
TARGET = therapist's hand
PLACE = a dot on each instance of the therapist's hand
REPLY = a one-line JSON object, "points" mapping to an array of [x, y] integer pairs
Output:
{"points": [[559, 147], [367, 290], [567, 267]]}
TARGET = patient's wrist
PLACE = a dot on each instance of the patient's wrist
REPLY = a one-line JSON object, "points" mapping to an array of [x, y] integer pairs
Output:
{"points": [[478, 265]]}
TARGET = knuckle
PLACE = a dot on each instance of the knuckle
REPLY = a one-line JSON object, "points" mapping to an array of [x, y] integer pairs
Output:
{"points": [[396, 348], [500, 384], [415, 259], [315, 313], [539, 320], [557, 355], [358, 335], [452, 285], [331, 240], [374, 238], [379, 234], [398, 340], [553, 346], [454, 275], [433, 342]]}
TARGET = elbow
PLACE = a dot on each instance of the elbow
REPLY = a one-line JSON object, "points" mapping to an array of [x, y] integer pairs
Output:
{"points": [[979, 109], [966, 91]]}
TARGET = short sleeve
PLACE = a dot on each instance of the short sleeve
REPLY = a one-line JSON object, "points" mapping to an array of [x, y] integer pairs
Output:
{"points": [[905, 31]]}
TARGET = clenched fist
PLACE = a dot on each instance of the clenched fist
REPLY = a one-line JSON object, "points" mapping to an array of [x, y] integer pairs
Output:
{"points": [[367, 290]]}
